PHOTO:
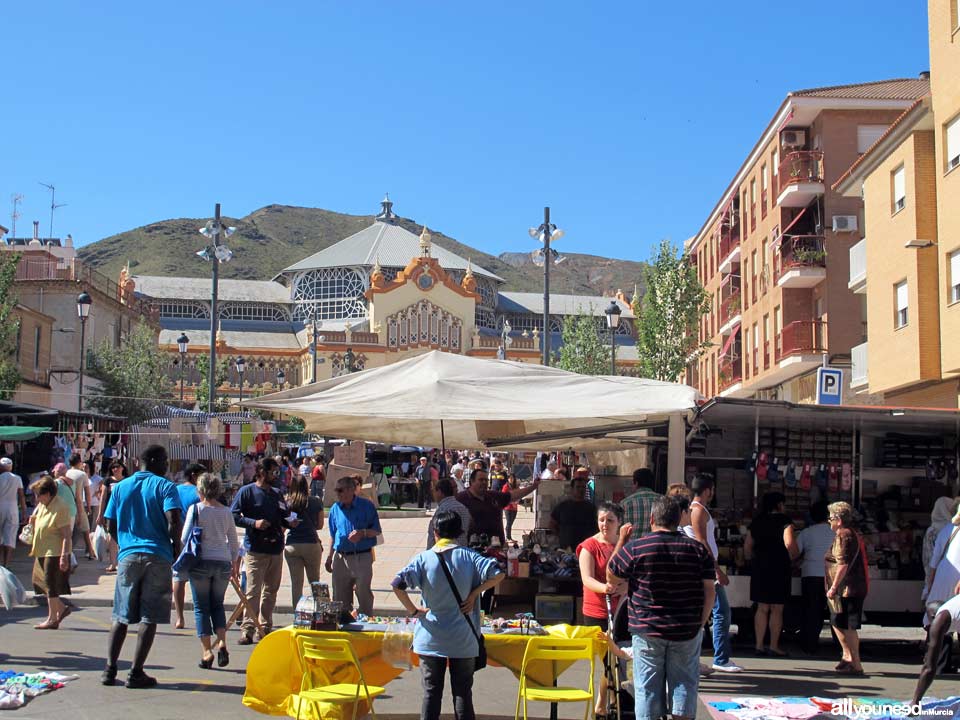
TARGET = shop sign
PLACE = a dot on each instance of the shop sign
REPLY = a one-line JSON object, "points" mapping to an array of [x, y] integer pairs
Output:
{"points": [[829, 386]]}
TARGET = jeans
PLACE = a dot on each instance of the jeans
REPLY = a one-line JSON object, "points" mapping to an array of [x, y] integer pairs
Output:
{"points": [[814, 603], [432, 669], [721, 626], [263, 580], [665, 670], [143, 592], [510, 516], [208, 583]]}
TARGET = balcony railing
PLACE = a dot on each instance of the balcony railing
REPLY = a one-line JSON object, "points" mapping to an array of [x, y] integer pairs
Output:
{"points": [[730, 371], [858, 265], [73, 270], [766, 354], [763, 203], [802, 337], [729, 240], [801, 166], [798, 251], [730, 306]]}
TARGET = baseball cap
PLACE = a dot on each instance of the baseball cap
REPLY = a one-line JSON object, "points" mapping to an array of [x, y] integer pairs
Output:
{"points": [[6, 461]]}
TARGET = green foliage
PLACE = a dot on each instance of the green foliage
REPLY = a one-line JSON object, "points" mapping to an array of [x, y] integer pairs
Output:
{"points": [[222, 402], [668, 315], [584, 350], [9, 326], [133, 377]]}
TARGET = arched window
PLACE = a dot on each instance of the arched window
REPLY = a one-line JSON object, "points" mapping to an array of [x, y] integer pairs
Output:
{"points": [[192, 309], [330, 294], [253, 311]]}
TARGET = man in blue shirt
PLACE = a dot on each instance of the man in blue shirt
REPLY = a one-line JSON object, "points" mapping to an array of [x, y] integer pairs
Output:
{"points": [[354, 525], [144, 516], [187, 490]]}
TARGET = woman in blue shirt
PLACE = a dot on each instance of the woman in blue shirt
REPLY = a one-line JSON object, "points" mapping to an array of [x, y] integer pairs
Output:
{"points": [[443, 635]]}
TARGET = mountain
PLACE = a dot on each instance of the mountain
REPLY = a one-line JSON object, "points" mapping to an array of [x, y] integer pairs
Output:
{"points": [[276, 236]]}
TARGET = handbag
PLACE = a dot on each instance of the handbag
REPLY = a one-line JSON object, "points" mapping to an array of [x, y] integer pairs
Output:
{"points": [[480, 661], [190, 553], [834, 603]]}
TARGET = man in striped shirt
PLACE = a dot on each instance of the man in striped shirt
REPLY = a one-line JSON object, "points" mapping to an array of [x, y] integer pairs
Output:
{"points": [[670, 582]]}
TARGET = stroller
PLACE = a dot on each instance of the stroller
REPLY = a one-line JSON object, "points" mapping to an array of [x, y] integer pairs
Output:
{"points": [[619, 702]]}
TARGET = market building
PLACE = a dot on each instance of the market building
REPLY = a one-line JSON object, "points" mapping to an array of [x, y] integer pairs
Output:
{"points": [[774, 251], [907, 267], [377, 296]]}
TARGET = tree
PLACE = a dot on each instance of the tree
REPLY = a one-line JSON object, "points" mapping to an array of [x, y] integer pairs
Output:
{"points": [[9, 326], [133, 377], [222, 403], [583, 350], [669, 314]]}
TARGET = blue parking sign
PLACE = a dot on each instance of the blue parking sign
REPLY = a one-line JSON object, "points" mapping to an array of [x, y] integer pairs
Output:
{"points": [[829, 386]]}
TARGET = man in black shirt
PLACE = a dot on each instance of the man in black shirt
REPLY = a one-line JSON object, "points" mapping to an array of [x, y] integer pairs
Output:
{"points": [[574, 519]]}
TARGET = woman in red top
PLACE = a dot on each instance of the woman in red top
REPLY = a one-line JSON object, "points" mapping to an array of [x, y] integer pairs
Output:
{"points": [[510, 511], [593, 554]]}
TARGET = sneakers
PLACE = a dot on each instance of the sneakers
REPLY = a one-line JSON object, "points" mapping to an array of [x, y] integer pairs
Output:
{"points": [[245, 639], [140, 681], [109, 675], [728, 667]]}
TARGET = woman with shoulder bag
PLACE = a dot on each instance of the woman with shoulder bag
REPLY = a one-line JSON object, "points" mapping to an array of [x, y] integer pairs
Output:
{"points": [[845, 579], [451, 579], [217, 561], [303, 550]]}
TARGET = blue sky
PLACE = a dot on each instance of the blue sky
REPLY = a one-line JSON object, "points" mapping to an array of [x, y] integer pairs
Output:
{"points": [[627, 118]]}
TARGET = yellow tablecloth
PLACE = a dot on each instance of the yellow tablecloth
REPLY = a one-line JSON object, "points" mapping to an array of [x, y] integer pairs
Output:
{"points": [[274, 670]]}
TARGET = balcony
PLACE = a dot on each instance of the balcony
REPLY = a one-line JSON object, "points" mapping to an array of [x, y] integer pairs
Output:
{"points": [[729, 249], [858, 268], [801, 178], [858, 371], [799, 261], [730, 375], [730, 311]]}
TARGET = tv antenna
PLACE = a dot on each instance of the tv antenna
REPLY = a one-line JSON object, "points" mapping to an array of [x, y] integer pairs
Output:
{"points": [[53, 204], [16, 199]]}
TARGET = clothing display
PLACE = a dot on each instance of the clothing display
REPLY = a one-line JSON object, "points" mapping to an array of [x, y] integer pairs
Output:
{"points": [[17, 688]]}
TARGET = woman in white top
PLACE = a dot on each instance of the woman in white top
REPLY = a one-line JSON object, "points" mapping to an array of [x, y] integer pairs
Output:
{"points": [[944, 564], [812, 544], [219, 561]]}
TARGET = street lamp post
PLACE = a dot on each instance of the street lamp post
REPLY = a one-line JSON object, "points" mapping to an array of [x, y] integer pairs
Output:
{"points": [[215, 253], [613, 322], [349, 360], [547, 232], [182, 342], [281, 376], [241, 366], [505, 340], [84, 301]]}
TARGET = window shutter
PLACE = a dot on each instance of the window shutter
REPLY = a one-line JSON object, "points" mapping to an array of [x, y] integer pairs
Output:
{"points": [[953, 143], [902, 296], [867, 135], [899, 186]]}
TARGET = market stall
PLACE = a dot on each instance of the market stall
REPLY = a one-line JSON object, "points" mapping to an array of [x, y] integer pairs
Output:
{"points": [[890, 463]]}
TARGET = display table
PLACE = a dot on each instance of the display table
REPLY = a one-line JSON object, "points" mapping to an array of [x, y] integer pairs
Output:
{"points": [[274, 670]]}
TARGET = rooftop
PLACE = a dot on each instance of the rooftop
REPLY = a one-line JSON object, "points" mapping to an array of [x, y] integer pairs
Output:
{"points": [[180, 288], [521, 302], [896, 89]]}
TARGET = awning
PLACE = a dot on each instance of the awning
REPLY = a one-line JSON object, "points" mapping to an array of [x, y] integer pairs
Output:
{"points": [[783, 233], [730, 339], [21, 432]]}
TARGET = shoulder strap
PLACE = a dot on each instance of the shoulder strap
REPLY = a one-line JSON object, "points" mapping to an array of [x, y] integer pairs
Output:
{"points": [[456, 594], [947, 546]]}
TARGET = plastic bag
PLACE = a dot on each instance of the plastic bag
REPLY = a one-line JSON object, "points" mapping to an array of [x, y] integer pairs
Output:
{"points": [[397, 642], [101, 543], [11, 590], [26, 535]]}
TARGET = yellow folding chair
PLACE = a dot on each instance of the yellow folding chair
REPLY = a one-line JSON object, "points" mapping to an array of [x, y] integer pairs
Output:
{"points": [[315, 687], [556, 650]]}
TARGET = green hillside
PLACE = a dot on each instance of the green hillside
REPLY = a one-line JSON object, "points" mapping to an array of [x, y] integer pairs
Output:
{"points": [[276, 236]]}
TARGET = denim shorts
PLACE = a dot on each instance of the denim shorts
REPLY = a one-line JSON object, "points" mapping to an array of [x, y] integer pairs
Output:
{"points": [[665, 676], [143, 592]]}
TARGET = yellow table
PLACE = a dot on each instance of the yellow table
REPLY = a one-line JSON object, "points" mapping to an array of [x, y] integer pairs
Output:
{"points": [[274, 670]]}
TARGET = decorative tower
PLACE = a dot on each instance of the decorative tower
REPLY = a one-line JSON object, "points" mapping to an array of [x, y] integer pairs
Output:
{"points": [[386, 211], [469, 281], [377, 279], [425, 241]]}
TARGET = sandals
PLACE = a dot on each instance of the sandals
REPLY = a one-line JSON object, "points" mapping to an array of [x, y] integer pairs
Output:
{"points": [[851, 671], [841, 665], [206, 663], [66, 611], [223, 657], [47, 626]]}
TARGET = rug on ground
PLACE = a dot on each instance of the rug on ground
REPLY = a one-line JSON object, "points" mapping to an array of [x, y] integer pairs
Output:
{"points": [[17, 688]]}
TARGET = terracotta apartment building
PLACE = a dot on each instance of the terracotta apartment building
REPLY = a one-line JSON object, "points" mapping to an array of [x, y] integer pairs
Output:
{"points": [[908, 264], [774, 252]]}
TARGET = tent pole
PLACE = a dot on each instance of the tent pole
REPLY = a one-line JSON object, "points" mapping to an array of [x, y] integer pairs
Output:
{"points": [[443, 447]]}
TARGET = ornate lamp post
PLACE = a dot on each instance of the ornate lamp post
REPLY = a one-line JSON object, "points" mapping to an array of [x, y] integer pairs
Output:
{"points": [[215, 253], [349, 361], [84, 301], [613, 322], [182, 342], [281, 376], [547, 232], [241, 366]]}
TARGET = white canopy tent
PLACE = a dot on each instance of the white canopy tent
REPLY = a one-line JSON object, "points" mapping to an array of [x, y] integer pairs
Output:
{"points": [[442, 399]]}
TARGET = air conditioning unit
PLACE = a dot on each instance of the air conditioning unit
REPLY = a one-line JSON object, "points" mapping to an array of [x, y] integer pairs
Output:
{"points": [[793, 138], [844, 223]]}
